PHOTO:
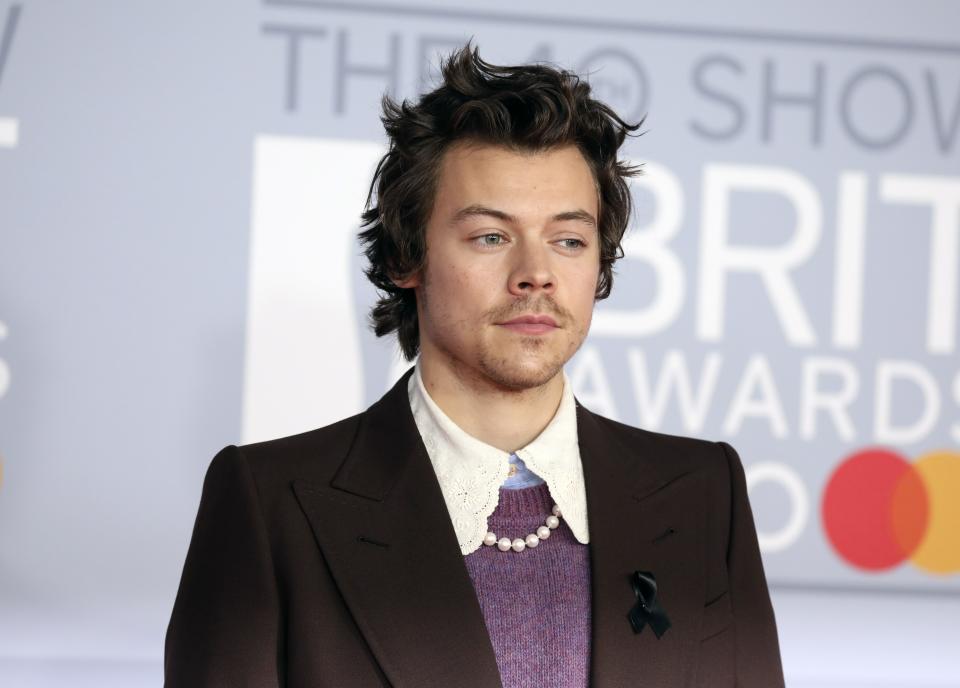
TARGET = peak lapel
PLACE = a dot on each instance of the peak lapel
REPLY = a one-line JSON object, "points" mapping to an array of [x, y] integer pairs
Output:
{"points": [[386, 535], [643, 515]]}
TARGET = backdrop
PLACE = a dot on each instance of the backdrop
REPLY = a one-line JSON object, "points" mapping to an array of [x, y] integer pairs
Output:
{"points": [[180, 190]]}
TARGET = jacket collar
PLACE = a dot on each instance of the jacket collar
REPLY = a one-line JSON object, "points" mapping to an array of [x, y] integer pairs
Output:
{"points": [[386, 534]]}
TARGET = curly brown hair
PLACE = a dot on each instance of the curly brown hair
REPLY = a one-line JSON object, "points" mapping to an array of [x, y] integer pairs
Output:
{"points": [[529, 107]]}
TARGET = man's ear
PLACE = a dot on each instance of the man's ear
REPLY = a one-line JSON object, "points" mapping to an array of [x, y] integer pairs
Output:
{"points": [[410, 281]]}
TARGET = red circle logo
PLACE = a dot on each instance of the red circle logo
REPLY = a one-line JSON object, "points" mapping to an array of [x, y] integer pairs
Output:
{"points": [[879, 510]]}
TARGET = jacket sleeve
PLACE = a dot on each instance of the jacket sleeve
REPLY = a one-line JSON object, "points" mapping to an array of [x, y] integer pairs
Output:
{"points": [[225, 622], [758, 663]]}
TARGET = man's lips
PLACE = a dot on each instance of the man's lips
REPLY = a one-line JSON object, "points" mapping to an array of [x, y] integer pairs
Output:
{"points": [[531, 324]]}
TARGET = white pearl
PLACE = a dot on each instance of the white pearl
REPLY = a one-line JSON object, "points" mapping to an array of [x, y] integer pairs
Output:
{"points": [[543, 532], [556, 510], [519, 545], [532, 541], [504, 544], [489, 539], [552, 521]]}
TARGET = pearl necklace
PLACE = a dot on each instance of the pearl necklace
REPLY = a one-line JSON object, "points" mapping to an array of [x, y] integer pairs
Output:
{"points": [[532, 540]]}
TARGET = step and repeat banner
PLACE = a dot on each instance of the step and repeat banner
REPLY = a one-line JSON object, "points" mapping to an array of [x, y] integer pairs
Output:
{"points": [[180, 191]]}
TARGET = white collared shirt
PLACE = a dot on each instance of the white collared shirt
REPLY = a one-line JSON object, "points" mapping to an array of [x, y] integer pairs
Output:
{"points": [[470, 472]]}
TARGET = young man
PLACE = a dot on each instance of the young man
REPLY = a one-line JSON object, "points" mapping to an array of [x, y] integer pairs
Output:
{"points": [[477, 527]]}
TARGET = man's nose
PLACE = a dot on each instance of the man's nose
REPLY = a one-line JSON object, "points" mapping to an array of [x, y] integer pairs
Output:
{"points": [[532, 271]]}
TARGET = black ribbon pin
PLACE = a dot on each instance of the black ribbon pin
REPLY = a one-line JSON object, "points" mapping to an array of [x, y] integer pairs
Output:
{"points": [[647, 609]]}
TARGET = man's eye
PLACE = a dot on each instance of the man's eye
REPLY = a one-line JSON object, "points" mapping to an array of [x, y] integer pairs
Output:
{"points": [[490, 239], [572, 243]]}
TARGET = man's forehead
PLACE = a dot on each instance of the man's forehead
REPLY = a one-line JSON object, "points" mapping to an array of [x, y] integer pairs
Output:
{"points": [[479, 179]]}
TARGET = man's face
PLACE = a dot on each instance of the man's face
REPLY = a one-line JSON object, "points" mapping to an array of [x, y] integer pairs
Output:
{"points": [[513, 260]]}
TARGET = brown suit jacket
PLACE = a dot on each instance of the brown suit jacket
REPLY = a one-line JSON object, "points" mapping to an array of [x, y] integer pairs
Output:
{"points": [[328, 559]]}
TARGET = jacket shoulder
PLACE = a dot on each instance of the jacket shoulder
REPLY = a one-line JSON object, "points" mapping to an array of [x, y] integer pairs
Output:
{"points": [[671, 454], [313, 455], [693, 452]]}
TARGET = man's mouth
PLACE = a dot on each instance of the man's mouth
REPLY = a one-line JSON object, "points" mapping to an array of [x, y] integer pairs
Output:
{"points": [[531, 324]]}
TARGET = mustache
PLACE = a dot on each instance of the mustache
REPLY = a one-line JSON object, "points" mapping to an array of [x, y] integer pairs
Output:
{"points": [[544, 305]]}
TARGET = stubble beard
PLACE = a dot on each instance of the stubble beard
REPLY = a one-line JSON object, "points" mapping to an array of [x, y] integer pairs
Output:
{"points": [[528, 362], [528, 370]]}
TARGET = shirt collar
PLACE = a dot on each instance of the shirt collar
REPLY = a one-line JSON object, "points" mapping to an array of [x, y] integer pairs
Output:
{"points": [[470, 472]]}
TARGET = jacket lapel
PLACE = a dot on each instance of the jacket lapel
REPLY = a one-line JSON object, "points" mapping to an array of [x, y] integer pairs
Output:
{"points": [[386, 535], [644, 514]]}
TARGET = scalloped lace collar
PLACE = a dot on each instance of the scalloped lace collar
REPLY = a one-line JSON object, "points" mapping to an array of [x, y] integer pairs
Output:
{"points": [[470, 472]]}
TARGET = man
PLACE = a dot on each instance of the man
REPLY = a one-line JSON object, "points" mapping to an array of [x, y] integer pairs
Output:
{"points": [[477, 526]]}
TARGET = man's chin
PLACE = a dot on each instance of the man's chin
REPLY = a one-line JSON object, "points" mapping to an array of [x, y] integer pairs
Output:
{"points": [[517, 376]]}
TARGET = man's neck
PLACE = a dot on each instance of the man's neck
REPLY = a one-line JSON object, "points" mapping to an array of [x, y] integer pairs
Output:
{"points": [[503, 418]]}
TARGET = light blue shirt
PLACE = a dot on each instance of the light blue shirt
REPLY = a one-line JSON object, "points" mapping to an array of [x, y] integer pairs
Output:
{"points": [[524, 477]]}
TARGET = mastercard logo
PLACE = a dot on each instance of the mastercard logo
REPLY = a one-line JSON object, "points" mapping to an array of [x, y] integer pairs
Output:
{"points": [[880, 510]]}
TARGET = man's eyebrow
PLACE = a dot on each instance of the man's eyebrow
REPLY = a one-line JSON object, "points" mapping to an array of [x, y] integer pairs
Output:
{"points": [[485, 211], [477, 210], [578, 215]]}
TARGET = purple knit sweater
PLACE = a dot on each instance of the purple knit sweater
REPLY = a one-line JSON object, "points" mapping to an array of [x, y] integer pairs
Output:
{"points": [[536, 603]]}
